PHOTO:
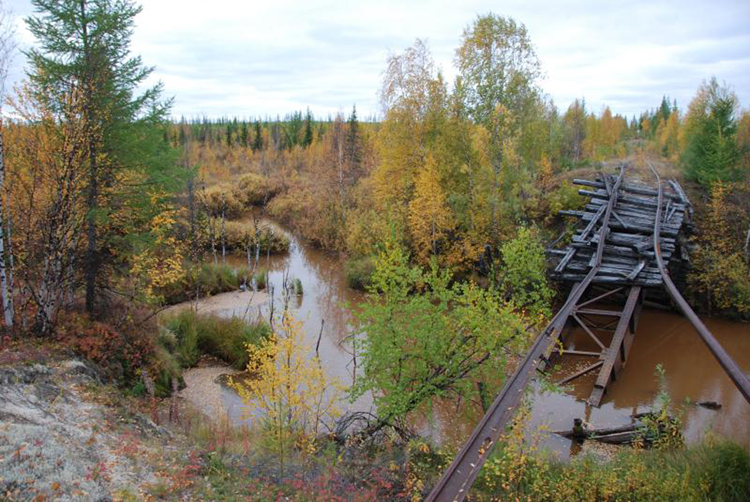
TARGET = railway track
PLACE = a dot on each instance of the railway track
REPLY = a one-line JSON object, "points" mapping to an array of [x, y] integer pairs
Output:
{"points": [[463, 471]]}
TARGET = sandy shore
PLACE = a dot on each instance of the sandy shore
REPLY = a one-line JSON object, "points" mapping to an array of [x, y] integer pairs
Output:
{"points": [[234, 303], [203, 389]]}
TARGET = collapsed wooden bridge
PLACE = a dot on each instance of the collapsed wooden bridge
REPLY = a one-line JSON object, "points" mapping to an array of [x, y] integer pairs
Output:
{"points": [[630, 234]]}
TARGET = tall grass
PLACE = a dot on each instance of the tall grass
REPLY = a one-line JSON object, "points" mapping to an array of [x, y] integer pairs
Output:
{"points": [[223, 338], [204, 280], [715, 470], [358, 272]]}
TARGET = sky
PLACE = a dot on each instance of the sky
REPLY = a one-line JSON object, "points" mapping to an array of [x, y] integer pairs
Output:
{"points": [[248, 58]]}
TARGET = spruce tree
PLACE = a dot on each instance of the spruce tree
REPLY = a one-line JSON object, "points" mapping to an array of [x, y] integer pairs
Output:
{"points": [[258, 139], [307, 138], [84, 46], [712, 153]]}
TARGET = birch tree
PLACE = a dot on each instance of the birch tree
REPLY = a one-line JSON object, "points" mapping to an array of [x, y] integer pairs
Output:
{"points": [[7, 48]]}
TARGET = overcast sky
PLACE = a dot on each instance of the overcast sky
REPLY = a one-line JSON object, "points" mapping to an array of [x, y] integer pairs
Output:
{"points": [[250, 58]]}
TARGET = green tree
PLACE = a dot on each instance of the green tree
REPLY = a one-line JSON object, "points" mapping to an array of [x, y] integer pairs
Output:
{"points": [[307, 137], [426, 338], [498, 65], [711, 151], [85, 44], [258, 138], [353, 148], [524, 274]]}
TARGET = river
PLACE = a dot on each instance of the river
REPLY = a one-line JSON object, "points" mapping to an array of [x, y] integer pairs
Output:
{"points": [[662, 338]]}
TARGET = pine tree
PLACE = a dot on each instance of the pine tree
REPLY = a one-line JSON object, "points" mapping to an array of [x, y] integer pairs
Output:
{"points": [[258, 139], [85, 44]]}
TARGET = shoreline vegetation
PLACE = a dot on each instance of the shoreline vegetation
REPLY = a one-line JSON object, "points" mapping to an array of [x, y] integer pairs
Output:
{"points": [[442, 208]]}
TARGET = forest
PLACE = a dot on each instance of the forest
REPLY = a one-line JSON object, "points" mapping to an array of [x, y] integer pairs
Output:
{"points": [[117, 219]]}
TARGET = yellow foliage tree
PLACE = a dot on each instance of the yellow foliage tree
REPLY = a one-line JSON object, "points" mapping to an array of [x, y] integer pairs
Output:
{"points": [[430, 217], [289, 390], [160, 264], [720, 271]]}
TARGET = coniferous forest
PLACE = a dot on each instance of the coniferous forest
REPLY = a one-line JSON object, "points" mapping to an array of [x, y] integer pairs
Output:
{"points": [[359, 286]]}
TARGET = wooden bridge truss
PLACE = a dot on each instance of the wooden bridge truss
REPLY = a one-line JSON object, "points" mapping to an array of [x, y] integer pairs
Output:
{"points": [[628, 237]]}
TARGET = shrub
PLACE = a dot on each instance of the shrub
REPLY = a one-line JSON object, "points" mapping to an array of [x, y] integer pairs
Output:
{"points": [[238, 234], [253, 190], [211, 199], [119, 352], [223, 338], [297, 285], [358, 272], [206, 279]]}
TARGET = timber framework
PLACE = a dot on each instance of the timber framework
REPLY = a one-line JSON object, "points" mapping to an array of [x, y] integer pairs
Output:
{"points": [[628, 235]]}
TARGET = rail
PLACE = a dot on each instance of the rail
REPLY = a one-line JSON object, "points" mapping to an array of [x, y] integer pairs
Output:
{"points": [[460, 475], [734, 372]]}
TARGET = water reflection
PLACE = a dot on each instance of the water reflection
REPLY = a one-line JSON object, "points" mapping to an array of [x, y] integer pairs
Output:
{"points": [[662, 338]]}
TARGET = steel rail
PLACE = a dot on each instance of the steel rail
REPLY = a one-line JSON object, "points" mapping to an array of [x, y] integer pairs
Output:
{"points": [[453, 486], [734, 372]]}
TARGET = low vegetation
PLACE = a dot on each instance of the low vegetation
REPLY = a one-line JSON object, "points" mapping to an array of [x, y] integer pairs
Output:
{"points": [[203, 280], [226, 339]]}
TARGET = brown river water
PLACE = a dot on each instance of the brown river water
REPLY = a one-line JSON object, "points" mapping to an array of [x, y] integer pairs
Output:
{"points": [[662, 338]]}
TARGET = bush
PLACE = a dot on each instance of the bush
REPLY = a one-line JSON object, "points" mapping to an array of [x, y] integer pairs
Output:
{"points": [[223, 338], [211, 199], [712, 471], [358, 272], [253, 190], [239, 233]]}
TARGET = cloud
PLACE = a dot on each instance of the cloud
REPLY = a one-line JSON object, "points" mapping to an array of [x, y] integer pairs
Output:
{"points": [[239, 58]]}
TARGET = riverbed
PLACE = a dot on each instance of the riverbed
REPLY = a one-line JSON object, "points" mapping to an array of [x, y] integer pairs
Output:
{"points": [[662, 338]]}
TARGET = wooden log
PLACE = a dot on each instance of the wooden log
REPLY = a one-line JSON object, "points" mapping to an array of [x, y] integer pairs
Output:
{"points": [[628, 187], [637, 270], [580, 373], [564, 261], [585, 232], [603, 431]]}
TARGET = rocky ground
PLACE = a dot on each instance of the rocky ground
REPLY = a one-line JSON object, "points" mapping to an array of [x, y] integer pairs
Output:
{"points": [[65, 435]]}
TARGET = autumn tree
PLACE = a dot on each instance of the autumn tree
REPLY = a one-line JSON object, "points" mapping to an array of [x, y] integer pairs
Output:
{"points": [[46, 169], [499, 69], [289, 390], [430, 217]]}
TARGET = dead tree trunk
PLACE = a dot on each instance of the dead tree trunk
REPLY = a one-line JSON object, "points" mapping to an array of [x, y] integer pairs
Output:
{"points": [[223, 229]]}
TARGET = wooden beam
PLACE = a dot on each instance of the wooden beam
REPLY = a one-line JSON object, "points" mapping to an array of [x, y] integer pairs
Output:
{"points": [[580, 373], [613, 352]]}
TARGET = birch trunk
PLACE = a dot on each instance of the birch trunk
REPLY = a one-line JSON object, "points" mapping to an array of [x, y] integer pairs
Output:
{"points": [[4, 282]]}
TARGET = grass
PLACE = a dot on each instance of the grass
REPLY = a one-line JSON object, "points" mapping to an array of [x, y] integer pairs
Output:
{"points": [[261, 279], [206, 279], [716, 470], [223, 338], [358, 272]]}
